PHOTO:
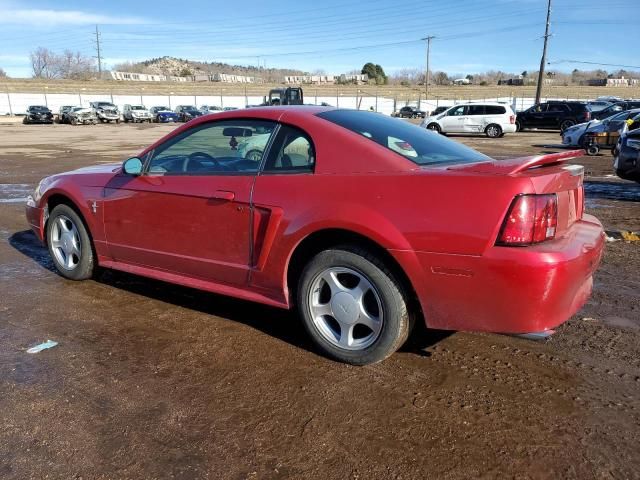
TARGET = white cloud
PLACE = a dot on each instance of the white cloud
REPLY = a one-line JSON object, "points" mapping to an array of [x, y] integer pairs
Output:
{"points": [[43, 17]]}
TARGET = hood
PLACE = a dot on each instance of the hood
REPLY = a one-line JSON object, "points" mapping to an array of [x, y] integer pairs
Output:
{"points": [[105, 168], [83, 110], [166, 112]]}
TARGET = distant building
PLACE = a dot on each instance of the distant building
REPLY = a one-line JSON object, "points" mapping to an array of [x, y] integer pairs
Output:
{"points": [[325, 79], [610, 82], [511, 81], [146, 77]]}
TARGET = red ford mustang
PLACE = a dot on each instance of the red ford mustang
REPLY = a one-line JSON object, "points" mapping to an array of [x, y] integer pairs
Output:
{"points": [[364, 222]]}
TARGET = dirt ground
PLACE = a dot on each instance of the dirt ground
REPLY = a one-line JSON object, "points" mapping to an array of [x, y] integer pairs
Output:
{"points": [[151, 380]]}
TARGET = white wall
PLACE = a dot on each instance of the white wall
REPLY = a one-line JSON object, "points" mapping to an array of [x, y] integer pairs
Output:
{"points": [[20, 101]]}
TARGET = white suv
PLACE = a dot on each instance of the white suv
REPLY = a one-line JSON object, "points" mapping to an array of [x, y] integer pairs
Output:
{"points": [[492, 119]]}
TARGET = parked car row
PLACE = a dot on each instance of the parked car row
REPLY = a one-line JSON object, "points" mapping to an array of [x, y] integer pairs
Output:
{"points": [[107, 112]]}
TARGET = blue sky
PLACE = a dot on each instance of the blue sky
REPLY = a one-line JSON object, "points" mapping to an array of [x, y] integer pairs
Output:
{"points": [[335, 35]]}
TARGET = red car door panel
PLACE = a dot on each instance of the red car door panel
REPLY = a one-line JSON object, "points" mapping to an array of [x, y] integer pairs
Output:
{"points": [[193, 225]]}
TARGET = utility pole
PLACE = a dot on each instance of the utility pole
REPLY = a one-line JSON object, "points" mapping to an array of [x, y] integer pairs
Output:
{"points": [[426, 73], [543, 60], [99, 56]]}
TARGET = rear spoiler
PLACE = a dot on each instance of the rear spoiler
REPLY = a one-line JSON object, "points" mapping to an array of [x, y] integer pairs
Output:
{"points": [[520, 164]]}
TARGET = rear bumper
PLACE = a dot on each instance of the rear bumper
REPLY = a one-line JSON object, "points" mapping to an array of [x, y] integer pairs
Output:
{"points": [[509, 289]]}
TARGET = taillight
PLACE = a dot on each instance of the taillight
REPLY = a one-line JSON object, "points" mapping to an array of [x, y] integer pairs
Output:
{"points": [[512, 119], [531, 219]]}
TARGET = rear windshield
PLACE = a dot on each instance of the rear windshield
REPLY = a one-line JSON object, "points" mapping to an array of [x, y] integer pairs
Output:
{"points": [[414, 143]]}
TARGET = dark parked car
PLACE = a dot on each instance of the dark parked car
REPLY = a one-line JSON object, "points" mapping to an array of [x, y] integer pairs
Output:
{"points": [[438, 111], [38, 114], [554, 115], [63, 113], [627, 162], [187, 112], [615, 108], [411, 112]]}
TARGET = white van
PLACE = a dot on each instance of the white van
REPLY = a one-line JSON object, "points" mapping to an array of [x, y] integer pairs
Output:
{"points": [[492, 119]]}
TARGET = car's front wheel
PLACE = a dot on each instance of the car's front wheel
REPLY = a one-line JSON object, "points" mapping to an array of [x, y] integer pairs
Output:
{"points": [[353, 306], [435, 127], [69, 244]]}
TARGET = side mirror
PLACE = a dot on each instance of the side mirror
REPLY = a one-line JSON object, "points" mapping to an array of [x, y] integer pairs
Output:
{"points": [[132, 166]]}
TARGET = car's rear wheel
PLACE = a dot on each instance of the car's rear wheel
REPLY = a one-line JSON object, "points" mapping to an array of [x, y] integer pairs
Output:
{"points": [[519, 126], [493, 131], [69, 244], [353, 306], [566, 124], [434, 126]]}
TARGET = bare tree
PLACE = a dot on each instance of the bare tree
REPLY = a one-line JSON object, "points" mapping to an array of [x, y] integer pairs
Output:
{"points": [[48, 64], [3, 74], [42, 60]]}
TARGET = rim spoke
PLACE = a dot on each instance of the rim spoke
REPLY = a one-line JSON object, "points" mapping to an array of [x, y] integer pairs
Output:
{"points": [[365, 318], [69, 261], [321, 309], [63, 225], [346, 335], [56, 243], [331, 279]]}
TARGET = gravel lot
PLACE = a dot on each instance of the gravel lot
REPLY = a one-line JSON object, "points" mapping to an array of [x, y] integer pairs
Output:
{"points": [[151, 380]]}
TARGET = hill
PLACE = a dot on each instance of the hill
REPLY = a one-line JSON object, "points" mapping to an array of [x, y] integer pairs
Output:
{"points": [[182, 67]]}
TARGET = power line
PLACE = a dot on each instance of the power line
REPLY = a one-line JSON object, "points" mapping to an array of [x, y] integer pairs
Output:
{"points": [[595, 63]]}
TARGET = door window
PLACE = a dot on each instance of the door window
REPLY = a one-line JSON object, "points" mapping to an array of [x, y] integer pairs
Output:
{"points": [[458, 111], [292, 152], [216, 148]]}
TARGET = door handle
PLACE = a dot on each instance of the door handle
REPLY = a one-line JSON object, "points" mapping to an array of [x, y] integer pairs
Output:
{"points": [[224, 195]]}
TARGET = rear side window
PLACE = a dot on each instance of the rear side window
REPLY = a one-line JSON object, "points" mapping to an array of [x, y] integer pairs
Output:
{"points": [[495, 110], [476, 110], [416, 144], [292, 152]]}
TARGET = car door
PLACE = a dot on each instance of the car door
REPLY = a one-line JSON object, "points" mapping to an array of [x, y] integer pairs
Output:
{"points": [[535, 115], [189, 212], [556, 113], [474, 119], [287, 173], [453, 121]]}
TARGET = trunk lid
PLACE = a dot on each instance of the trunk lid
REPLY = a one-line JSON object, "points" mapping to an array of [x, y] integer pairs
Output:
{"points": [[548, 174]]}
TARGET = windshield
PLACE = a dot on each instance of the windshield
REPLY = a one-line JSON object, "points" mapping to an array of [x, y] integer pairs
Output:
{"points": [[405, 139], [40, 108], [137, 107]]}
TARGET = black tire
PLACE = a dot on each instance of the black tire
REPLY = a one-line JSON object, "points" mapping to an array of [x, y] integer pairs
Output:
{"points": [[566, 124], [493, 130], [396, 319], [435, 127], [85, 266], [593, 150]]}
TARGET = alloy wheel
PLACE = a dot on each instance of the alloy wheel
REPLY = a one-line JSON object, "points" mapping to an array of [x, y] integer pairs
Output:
{"points": [[65, 243], [346, 308]]}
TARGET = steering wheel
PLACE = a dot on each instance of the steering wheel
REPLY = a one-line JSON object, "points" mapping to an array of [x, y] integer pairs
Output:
{"points": [[194, 156]]}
